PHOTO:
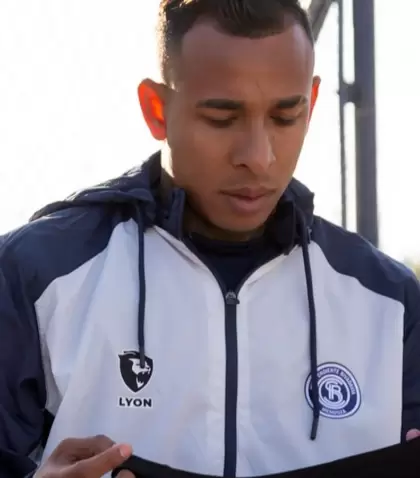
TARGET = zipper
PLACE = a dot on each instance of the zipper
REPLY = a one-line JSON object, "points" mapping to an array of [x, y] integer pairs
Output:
{"points": [[231, 385], [231, 372], [232, 375]]}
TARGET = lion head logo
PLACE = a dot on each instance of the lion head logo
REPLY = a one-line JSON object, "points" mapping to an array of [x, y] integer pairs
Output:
{"points": [[135, 376]]}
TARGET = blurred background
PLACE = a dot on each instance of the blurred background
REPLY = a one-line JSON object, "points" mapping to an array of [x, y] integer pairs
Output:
{"points": [[69, 116]]}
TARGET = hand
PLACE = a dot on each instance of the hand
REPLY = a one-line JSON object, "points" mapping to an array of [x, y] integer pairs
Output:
{"points": [[85, 458], [412, 434]]}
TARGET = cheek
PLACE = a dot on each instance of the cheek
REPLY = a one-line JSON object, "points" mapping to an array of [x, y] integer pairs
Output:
{"points": [[217, 141], [198, 154], [287, 144]]}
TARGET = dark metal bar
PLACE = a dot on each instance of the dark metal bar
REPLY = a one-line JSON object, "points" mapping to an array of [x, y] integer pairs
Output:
{"points": [[365, 110], [318, 11], [343, 97]]}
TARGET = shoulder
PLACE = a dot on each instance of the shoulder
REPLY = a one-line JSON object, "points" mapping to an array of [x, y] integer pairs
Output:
{"points": [[350, 254], [53, 246]]}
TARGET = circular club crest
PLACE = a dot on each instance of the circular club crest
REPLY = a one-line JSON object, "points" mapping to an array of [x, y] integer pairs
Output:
{"points": [[339, 392]]}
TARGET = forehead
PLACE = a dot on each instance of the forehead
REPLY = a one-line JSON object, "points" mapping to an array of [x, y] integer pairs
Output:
{"points": [[213, 63]]}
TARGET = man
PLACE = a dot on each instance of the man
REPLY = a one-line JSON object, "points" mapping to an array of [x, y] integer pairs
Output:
{"points": [[196, 309]]}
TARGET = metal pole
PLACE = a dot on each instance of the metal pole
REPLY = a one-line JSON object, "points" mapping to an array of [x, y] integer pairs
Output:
{"points": [[318, 11], [364, 65], [343, 99]]}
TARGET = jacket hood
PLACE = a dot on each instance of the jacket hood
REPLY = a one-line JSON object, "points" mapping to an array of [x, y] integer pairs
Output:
{"points": [[140, 186]]}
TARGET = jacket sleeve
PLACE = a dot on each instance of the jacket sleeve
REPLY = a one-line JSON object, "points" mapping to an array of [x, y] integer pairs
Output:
{"points": [[411, 359], [22, 384]]}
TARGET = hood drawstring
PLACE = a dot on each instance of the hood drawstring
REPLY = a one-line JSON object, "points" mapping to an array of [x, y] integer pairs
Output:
{"points": [[142, 284], [314, 391]]}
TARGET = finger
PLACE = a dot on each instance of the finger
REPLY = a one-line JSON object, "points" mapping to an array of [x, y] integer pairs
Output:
{"points": [[125, 474], [99, 465], [412, 434], [77, 449]]}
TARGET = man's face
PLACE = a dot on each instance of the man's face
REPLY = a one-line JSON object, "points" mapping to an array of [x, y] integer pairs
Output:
{"points": [[236, 121]]}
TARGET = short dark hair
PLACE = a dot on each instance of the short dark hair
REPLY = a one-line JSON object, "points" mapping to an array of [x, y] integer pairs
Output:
{"points": [[245, 18]]}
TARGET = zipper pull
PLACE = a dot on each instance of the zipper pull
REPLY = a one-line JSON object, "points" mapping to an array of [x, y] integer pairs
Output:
{"points": [[231, 298]]}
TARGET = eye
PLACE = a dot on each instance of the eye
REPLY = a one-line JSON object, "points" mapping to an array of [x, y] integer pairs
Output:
{"points": [[220, 123], [284, 121]]}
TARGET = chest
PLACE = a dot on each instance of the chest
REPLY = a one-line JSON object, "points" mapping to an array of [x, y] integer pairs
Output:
{"points": [[216, 366]]}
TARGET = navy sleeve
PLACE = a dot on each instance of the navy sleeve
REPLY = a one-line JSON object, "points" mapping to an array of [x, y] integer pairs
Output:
{"points": [[22, 384], [411, 359]]}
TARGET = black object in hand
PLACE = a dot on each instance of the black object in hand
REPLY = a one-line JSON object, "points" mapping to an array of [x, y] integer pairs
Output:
{"points": [[397, 461]]}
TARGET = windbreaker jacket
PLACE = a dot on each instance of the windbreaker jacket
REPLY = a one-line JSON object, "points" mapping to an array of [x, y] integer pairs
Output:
{"points": [[110, 324]]}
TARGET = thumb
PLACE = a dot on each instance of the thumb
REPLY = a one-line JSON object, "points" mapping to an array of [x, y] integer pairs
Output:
{"points": [[412, 434], [104, 462]]}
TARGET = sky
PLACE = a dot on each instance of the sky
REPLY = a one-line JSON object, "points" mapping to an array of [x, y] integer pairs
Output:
{"points": [[69, 116]]}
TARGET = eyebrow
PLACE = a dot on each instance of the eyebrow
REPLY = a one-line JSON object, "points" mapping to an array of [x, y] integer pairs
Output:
{"points": [[232, 105]]}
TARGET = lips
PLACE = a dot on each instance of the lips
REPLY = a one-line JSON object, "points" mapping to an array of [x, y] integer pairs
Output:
{"points": [[247, 201], [248, 193]]}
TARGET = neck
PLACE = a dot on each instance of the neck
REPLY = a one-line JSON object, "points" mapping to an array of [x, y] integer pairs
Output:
{"points": [[195, 223]]}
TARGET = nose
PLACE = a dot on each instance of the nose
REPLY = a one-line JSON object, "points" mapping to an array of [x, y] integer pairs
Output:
{"points": [[255, 151]]}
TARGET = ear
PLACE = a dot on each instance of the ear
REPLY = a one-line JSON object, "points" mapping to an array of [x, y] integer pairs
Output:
{"points": [[316, 82], [152, 102]]}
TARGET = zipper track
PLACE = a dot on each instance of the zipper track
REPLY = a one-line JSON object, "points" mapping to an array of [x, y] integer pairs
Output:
{"points": [[231, 381], [231, 385]]}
